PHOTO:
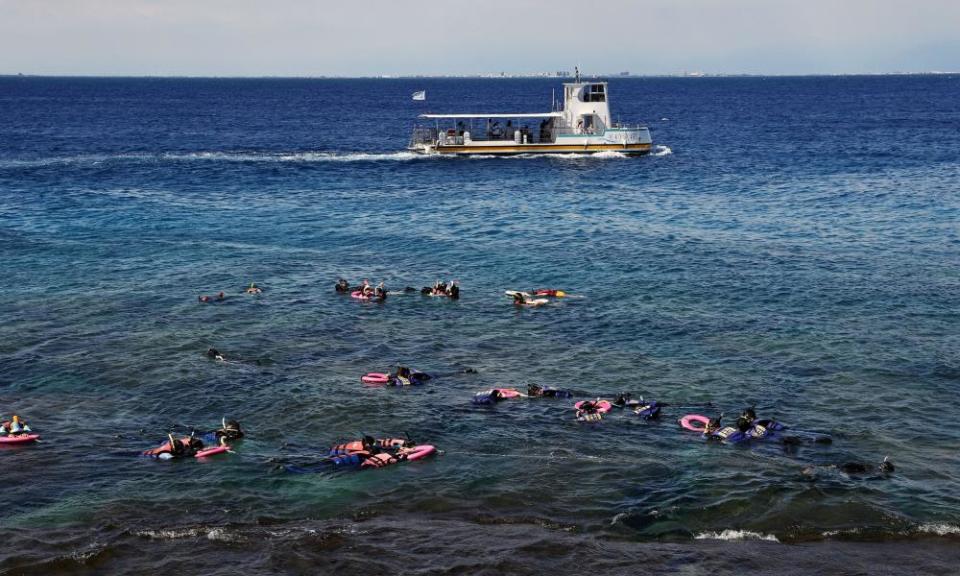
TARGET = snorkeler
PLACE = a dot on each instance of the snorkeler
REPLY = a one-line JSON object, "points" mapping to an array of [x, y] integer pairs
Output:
{"points": [[404, 376], [253, 289], [537, 391], [15, 426], [858, 469], [215, 354], [219, 298], [176, 448], [229, 430]]}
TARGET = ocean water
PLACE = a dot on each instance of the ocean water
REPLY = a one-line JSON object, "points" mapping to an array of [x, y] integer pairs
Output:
{"points": [[793, 243]]}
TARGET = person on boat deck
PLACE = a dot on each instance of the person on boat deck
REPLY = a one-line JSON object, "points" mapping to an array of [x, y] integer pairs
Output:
{"points": [[460, 128], [496, 132], [253, 289], [342, 285], [508, 133], [215, 354], [15, 426]]}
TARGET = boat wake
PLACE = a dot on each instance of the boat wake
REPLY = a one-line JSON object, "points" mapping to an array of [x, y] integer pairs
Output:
{"points": [[239, 157], [93, 160], [659, 150]]}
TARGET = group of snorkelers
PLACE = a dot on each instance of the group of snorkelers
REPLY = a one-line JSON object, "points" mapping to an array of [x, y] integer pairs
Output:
{"points": [[449, 289], [192, 444], [14, 427], [368, 452], [748, 426], [440, 288], [221, 296], [366, 289]]}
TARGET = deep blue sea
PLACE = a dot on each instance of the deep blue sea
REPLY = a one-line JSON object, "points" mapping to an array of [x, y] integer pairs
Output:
{"points": [[793, 243]]}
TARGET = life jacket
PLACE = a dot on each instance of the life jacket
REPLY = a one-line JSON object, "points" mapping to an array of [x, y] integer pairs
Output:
{"points": [[589, 416], [549, 392], [729, 434], [770, 425], [485, 397], [648, 411], [387, 443], [380, 460], [400, 381], [352, 459], [348, 448]]}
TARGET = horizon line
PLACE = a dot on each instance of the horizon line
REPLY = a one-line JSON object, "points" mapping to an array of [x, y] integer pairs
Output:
{"points": [[487, 76]]}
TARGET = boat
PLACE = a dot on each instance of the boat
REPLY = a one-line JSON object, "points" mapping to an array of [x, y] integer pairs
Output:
{"points": [[419, 96], [580, 124]]}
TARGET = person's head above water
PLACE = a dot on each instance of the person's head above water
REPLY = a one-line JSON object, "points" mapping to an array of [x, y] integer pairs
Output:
{"points": [[534, 390], [213, 353], [887, 466], [713, 424]]}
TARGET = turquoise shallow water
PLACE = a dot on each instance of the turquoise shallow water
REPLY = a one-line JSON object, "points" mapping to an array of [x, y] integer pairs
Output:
{"points": [[793, 244]]}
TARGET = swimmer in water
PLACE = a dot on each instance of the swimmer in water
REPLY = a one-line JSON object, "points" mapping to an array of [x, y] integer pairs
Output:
{"points": [[229, 430], [858, 469], [15, 427], [342, 285], [215, 354], [537, 391], [253, 289], [219, 298]]}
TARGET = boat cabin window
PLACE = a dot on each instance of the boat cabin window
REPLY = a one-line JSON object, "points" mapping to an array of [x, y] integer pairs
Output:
{"points": [[587, 123], [595, 93]]}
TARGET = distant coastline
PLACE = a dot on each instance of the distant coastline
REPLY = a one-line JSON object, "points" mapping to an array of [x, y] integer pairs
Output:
{"points": [[505, 76]]}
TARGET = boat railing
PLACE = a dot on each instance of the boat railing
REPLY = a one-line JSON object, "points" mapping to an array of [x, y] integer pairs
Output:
{"points": [[423, 135]]}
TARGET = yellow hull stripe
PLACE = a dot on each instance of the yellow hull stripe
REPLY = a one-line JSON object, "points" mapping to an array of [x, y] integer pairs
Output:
{"points": [[527, 148]]}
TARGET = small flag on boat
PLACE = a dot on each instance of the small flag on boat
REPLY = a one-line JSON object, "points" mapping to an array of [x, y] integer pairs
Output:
{"points": [[421, 95]]}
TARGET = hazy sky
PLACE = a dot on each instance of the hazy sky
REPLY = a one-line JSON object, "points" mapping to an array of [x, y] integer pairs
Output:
{"points": [[371, 37]]}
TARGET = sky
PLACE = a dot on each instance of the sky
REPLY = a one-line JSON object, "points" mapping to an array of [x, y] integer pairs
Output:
{"points": [[436, 37]]}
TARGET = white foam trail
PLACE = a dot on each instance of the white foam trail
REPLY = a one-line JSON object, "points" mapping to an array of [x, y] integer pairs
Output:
{"points": [[216, 534], [296, 157], [659, 150], [736, 536], [292, 157], [939, 529]]}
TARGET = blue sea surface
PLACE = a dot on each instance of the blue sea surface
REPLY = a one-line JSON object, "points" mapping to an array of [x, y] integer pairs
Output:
{"points": [[792, 243]]}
